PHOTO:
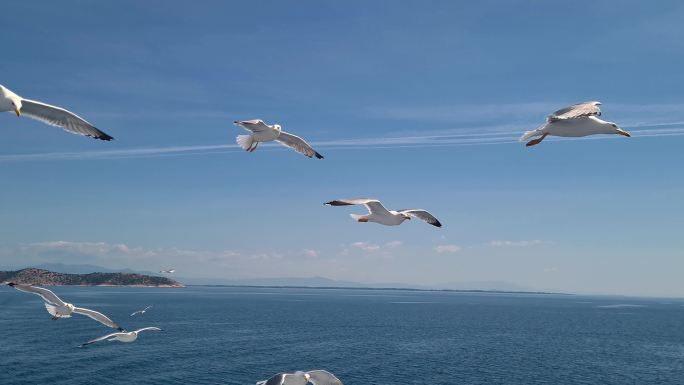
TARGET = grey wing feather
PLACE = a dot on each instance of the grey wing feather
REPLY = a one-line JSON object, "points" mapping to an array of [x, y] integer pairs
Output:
{"points": [[97, 316], [149, 328], [254, 125], [373, 205], [423, 215], [100, 339], [576, 110], [298, 144], [56, 116], [47, 295], [323, 377]]}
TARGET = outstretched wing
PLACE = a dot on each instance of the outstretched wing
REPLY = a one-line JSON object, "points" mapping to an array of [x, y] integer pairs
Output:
{"points": [[254, 125], [108, 336], [149, 328], [97, 316], [278, 379], [56, 116], [576, 111], [47, 295], [298, 144], [373, 205], [423, 215], [323, 377]]}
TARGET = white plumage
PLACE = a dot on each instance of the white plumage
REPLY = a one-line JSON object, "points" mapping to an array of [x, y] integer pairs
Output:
{"points": [[574, 121], [122, 336], [379, 214], [60, 309], [262, 132], [52, 115], [316, 377]]}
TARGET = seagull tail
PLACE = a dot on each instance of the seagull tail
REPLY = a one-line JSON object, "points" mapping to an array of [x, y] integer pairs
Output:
{"points": [[530, 134], [245, 141], [52, 309]]}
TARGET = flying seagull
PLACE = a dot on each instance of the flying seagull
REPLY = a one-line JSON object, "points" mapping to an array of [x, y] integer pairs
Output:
{"points": [[169, 271], [140, 311], [316, 377], [262, 132], [574, 121], [122, 336], [60, 309], [379, 214], [54, 116]]}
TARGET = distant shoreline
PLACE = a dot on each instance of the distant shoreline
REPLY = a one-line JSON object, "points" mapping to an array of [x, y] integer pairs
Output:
{"points": [[388, 289]]}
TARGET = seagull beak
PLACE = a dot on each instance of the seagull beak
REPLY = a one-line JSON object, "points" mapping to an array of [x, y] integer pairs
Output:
{"points": [[623, 133], [16, 110]]}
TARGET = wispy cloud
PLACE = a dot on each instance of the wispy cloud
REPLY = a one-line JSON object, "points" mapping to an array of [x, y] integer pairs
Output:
{"points": [[522, 243], [450, 249], [445, 138], [311, 253]]}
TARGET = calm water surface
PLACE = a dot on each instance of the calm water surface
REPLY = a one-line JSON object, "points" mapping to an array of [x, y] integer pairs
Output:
{"points": [[241, 335]]}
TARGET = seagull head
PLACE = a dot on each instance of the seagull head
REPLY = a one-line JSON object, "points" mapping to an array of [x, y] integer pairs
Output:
{"points": [[618, 130], [277, 127]]}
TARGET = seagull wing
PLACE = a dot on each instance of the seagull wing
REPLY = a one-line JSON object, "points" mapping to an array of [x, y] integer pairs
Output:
{"points": [[323, 377], [47, 295], [149, 328], [422, 214], [136, 312], [298, 144], [108, 336], [254, 125], [576, 111], [373, 205], [97, 316], [60, 117], [278, 379], [149, 307]]}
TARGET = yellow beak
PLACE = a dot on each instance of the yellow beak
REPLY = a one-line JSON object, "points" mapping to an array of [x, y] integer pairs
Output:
{"points": [[17, 111]]}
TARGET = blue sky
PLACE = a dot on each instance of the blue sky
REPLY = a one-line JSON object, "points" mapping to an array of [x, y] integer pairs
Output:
{"points": [[418, 104]]}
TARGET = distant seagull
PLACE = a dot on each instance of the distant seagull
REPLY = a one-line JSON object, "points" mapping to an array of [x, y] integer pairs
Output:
{"points": [[316, 377], [122, 336], [262, 132], [574, 121], [60, 309], [379, 214], [54, 116], [169, 271], [140, 311]]}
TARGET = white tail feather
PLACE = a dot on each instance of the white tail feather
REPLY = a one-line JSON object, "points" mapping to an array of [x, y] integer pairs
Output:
{"points": [[52, 309], [245, 141]]}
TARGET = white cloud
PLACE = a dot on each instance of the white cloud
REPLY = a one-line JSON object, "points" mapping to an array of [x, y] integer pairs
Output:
{"points": [[441, 249], [506, 243], [366, 246], [311, 253], [393, 244]]}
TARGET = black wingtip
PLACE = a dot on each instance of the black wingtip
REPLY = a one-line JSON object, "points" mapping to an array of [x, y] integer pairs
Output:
{"points": [[437, 224], [319, 156], [102, 136], [11, 284]]}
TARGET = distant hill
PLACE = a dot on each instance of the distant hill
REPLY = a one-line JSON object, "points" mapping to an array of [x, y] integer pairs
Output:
{"points": [[34, 276]]}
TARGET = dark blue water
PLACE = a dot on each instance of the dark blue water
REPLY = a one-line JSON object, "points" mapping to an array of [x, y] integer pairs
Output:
{"points": [[241, 335]]}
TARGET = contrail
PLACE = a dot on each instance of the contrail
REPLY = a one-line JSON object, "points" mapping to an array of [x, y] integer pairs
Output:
{"points": [[438, 140]]}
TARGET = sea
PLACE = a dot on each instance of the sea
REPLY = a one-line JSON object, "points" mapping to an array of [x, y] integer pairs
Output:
{"points": [[239, 335]]}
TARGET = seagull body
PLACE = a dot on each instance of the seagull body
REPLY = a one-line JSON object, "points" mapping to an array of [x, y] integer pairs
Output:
{"points": [[140, 311], [52, 115], [574, 121], [169, 271], [379, 214], [122, 336], [262, 132], [316, 377], [60, 309]]}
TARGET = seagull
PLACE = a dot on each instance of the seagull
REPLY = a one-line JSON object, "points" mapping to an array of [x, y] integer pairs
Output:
{"points": [[54, 116], [169, 271], [316, 377], [60, 309], [140, 311], [122, 336], [574, 121], [262, 132], [379, 214]]}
